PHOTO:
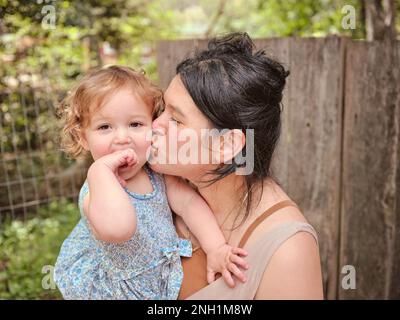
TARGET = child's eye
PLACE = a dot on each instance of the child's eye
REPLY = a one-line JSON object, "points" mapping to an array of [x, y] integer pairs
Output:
{"points": [[135, 124], [104, 127]]}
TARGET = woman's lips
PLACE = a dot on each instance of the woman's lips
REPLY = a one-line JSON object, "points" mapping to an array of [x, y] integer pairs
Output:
{"points": [[154, 146], [156, 133], [153, 143]]}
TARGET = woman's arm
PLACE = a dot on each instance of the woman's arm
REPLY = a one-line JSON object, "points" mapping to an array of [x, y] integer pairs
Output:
{"points": [[108, 207], [294, 271], [199, 218]]}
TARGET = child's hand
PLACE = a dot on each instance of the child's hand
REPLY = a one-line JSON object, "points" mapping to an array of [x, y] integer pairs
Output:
{"points": [[226, 260], [118, 159]]}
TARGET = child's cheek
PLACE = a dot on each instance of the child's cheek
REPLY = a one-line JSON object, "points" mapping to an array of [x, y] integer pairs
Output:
{"points": [[99, 150], [141, 145]]}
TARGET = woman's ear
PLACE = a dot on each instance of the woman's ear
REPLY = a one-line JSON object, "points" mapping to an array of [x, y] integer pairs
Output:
{"points": [[233, 141]]}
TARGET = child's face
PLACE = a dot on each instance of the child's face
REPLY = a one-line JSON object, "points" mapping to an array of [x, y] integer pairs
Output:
{"points": [[121, 123]]}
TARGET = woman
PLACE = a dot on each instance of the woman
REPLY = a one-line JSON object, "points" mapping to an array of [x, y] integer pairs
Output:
{"points": [[228, 86]]}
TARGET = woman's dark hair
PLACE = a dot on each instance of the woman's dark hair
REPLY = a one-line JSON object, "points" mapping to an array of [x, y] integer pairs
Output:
{"points": [[237, 88]]}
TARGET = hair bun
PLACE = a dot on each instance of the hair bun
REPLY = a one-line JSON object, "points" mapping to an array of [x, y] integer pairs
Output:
{"points": [[286, 73], [234, 43]]}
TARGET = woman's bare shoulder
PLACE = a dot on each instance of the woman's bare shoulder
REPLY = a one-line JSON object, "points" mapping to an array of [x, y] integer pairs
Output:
{"points": [[282, 216], [294, 271]]}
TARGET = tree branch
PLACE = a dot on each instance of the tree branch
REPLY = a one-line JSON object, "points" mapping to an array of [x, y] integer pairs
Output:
{"points": [[380, 19], [217, 16]]}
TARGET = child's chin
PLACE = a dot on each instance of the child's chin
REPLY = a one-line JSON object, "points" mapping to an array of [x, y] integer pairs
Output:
{"points": [[127, 172]]}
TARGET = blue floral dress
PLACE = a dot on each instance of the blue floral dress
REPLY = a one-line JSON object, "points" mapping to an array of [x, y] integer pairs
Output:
{"points": [[148, 266]]}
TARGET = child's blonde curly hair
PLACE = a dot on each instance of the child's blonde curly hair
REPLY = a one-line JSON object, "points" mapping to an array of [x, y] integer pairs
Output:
{"points": [[90, 93]]}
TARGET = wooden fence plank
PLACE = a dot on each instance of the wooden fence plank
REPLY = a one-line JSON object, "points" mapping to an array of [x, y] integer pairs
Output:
{"points": [[370, 239], [170, 53], [307, 160], [308, 157]]}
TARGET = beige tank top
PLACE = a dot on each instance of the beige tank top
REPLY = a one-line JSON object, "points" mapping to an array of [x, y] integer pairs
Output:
{"points": [[195, 286]]}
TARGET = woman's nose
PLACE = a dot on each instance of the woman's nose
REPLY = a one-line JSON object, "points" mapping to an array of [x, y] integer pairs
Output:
{"points": [[155, 123], [159, 122]]}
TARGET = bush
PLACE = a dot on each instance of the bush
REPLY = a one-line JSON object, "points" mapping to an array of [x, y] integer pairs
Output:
{"points": [[28, 246]]}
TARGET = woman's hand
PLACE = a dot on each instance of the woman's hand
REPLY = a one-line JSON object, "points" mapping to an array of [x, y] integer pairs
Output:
{"points": [[226, 260], [116, 160]]}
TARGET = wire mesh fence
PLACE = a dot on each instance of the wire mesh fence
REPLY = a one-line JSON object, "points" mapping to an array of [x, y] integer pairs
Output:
{"points": [[33, 170]]}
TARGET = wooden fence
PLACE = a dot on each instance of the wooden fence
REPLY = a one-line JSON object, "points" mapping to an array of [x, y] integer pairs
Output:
{"points": [[339, 154]]}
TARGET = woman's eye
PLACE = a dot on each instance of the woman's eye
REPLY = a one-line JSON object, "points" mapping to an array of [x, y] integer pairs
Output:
{"points": [[174, 120], [162, 106], [104, 127], [135, 124]]}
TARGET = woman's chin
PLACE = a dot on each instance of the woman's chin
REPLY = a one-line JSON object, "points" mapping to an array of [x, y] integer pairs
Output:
{"points": [[155, 167]]}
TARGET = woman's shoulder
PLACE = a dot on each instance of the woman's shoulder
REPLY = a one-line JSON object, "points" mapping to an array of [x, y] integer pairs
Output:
{"points": [[287, 223], [293, 260], [293, 270], [286, 209], [271, 214]]}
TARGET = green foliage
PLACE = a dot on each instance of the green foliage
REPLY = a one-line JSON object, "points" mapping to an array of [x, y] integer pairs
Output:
{"points": [[51, 60], [133, 26], [271, 18], [39, 65], [28, 246], [63, 53]]}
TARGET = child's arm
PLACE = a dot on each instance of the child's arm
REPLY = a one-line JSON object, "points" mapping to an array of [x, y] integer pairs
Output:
{"points": [[108, 207], [221, 258]]}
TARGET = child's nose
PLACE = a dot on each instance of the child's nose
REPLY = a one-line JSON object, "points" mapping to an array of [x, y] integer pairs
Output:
{"points": [[122, 137]]}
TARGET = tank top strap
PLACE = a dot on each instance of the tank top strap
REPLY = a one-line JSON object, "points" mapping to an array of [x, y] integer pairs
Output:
{"points": [[262, 217]]}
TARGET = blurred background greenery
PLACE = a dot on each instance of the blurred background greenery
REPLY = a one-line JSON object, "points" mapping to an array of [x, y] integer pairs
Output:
{"points": [[37, 67], [28, 246], [126, 30]]}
